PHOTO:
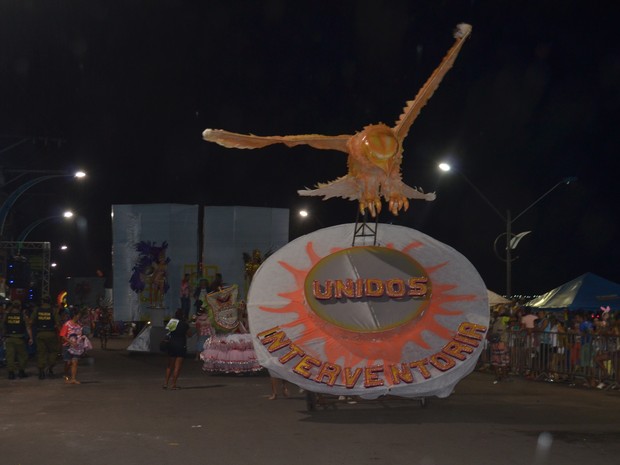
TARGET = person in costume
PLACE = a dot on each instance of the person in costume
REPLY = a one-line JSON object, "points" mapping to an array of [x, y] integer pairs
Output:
{"points": [[231, 350], [16, 326], [46, 324]]}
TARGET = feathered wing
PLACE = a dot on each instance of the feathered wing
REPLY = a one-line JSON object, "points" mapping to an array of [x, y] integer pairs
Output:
{"points": [[413, 107], [348, 187], [345, 187], [250, 141], [417, 193]]}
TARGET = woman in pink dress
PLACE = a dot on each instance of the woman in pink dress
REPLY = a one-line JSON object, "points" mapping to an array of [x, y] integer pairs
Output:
{"points": [[72, 345]]}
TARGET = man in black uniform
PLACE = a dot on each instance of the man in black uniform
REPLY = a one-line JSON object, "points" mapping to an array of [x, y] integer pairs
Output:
{"points": [[46, 325], [16, 326]]}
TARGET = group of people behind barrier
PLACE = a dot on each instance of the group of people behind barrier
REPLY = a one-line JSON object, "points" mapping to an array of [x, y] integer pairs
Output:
{"points": [[573, 347]]}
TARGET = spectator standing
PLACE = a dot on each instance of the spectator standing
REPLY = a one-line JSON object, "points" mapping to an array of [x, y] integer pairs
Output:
{"points": [[543, 330], [500, 357], [528, 322], [185, 292], [3, 309], [27, 309], [217, 284], [16, 326], [179, 331], [574, 344], [607, 349], [516, 343], [86, 320], [104, 326], [558, 342], [71, 334], [95, 321], [45, 323], [200, 294], [614, 351], [528, 319], [64, 313], [586, 356]]}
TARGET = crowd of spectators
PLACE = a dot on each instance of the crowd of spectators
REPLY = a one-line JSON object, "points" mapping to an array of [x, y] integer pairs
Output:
{"points": [[556, 346], [570, 346]]}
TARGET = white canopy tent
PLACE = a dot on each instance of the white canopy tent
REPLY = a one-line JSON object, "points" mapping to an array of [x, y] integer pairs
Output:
{"points": [[496, 299]]}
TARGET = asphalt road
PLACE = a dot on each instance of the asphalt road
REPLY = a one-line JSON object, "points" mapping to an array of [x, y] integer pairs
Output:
{"points": [[121, 415]]}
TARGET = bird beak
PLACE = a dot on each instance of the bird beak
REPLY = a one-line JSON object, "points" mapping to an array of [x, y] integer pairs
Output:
{"points": [[384, 164]]}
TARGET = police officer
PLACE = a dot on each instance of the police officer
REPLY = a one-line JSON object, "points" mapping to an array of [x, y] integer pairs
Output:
{"points": [[46, 324], [16, 326]]}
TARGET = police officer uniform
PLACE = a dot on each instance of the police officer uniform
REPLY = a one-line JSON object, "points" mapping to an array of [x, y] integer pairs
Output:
{"points": [[45, 325], [16, 326]]}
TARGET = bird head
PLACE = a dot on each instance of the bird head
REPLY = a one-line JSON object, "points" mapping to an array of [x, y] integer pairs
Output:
{"points": [[380, 145]]}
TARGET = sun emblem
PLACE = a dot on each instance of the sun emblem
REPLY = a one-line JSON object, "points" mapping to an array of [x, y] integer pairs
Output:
{"points": [[364, 307]]}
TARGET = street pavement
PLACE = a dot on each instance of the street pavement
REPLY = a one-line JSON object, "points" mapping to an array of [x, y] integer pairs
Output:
{"points": [[121, 415]]}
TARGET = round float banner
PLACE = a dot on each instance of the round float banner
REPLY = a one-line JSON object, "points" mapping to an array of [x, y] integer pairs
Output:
{"points": [[407, 316]]}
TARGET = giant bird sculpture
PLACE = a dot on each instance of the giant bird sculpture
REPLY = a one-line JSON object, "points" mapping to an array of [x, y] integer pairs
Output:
{"points": [[375, 153]]}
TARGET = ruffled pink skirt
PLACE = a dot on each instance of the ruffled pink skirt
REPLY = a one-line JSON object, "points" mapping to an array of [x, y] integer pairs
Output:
{"points": [[230, 353]]}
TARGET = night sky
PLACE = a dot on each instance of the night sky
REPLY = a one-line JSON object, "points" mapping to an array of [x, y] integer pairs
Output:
{"points": [[124, 89]]}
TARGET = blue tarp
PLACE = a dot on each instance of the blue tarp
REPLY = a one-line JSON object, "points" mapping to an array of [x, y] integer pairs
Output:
{"points": [[587, 292]]}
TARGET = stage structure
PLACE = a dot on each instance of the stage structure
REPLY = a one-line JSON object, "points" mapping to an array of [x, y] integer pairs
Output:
{"points": [[155, 245], [33, 260]]}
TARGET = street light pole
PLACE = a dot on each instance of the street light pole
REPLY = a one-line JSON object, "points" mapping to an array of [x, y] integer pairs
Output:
{"points": [[512, 240], [508, 255], [12, 198], [24, 234]]}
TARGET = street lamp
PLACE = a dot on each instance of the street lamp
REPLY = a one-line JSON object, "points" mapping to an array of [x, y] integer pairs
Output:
{"points": [[22, 236], [303, 221], [307, 215], [512, 240], [12, 198]]}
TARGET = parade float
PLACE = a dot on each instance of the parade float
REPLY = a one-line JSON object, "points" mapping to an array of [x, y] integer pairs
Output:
{"points": [[230, 349], [365, 310]]}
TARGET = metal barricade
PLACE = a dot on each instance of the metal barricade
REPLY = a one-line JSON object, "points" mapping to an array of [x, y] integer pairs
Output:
{"points": [[588, 359]]}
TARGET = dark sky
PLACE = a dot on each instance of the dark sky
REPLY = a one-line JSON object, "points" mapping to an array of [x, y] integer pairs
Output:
{"points": [[125, 88]]}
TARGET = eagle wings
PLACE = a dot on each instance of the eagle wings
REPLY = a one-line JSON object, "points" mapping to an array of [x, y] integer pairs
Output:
{"points": [[374, 154]]}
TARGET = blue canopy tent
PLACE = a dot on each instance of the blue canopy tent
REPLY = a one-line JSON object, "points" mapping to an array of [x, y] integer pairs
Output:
{"points": [[587, 292]]}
